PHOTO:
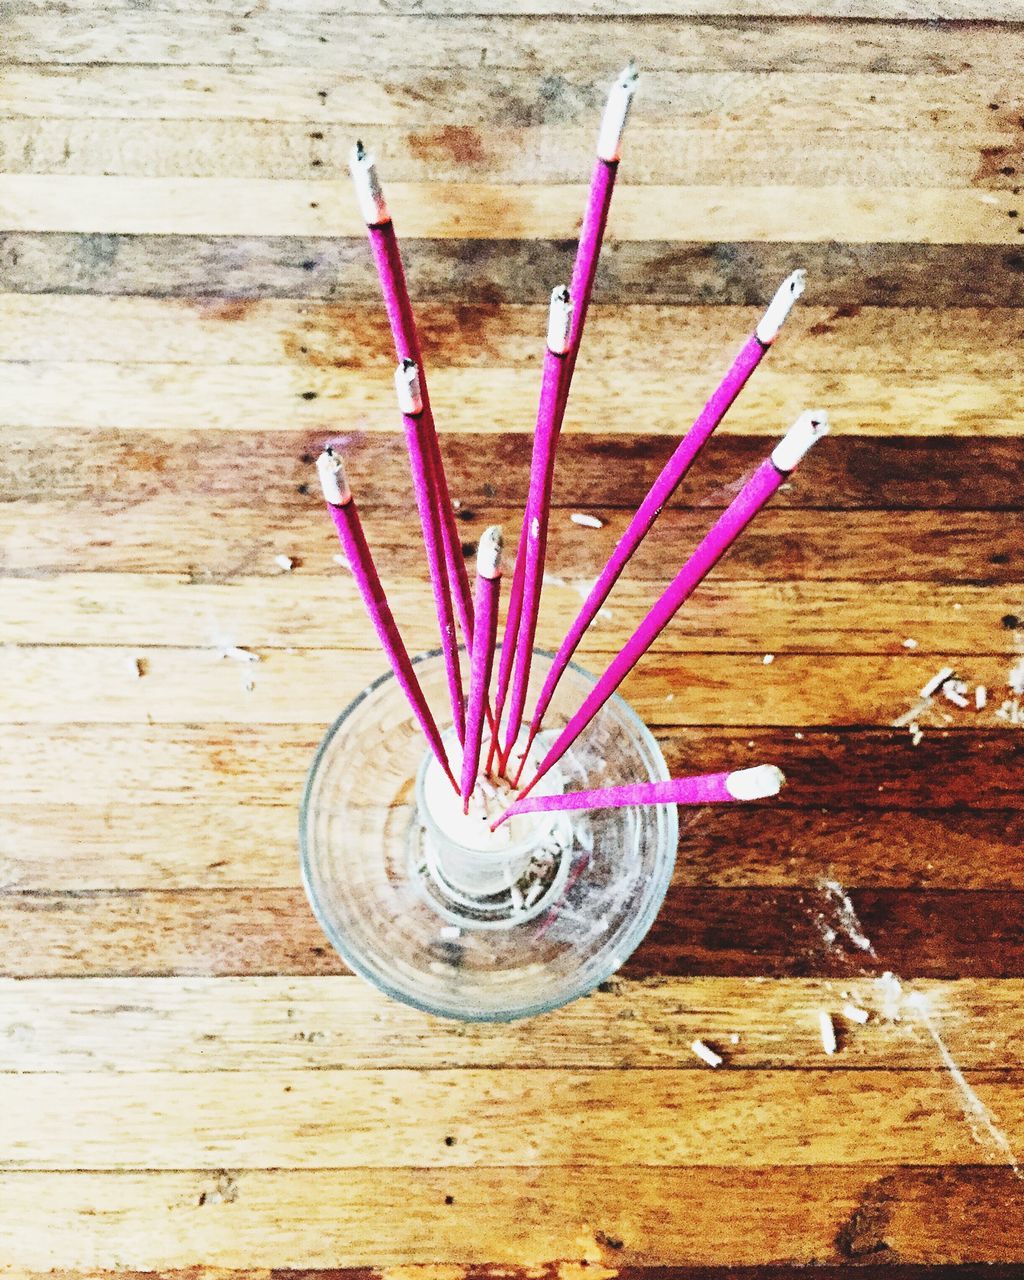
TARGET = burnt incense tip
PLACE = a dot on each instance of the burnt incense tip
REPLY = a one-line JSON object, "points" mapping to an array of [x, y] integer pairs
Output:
{"points": [[333, 480], [780, 306], [407, 387], [488, 553], [613, 123], [559, 321], [805, 432], [372, 204], [761, 781]]}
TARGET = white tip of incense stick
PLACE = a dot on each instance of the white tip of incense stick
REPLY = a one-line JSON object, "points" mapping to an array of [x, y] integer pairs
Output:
{"points": [[613, 122], [372, 204], [332, 479], [806, 431], [756, 783], [559, 320], [407, 387], [828, 1032], [780, 306], [488, 553]]}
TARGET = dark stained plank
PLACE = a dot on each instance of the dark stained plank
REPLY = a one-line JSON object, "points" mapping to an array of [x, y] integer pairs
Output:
{"points": [[492, 469], [215, 541], [663, 272], [699, 932]]}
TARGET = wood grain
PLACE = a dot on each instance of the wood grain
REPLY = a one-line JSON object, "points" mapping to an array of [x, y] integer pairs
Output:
{"points": [[314, 1218], [287, 1025]]}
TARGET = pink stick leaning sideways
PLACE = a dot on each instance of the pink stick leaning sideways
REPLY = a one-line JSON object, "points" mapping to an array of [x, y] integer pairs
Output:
{"points": [[410, 402], [488, 587], [345, 515], [747, 360], [588, 250], [533, 542], [765, 481], [388, 259], [756, 783]]}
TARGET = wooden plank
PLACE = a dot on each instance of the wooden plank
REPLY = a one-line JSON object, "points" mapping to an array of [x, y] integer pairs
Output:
{"points": [[257, 1025], [661, 272], [209, 542], [769, 101], [324, 613], [730, 152], [136, 845], [471, 1118], [837, 10], [85, 684], [700, 931], [553, 1270], [266, 764], [662, 1217], [491, 470], [697, 340], [478, 211], [243, 398], [325, 40]]}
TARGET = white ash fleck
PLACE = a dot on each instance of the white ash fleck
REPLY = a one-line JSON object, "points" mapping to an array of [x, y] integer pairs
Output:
{"points": [[456, 504], [768, 659], [955, 691], [706, 1053], [587, 521], [910, 643], [553, 580], [237, 653], [855, 1014], [734, 1038], [284, 562], [1016, 677], [916, 734], [937, 681], [980, 697], [846, 916], [890, 992], [799, 736], [342, 562], [449, 932], [827, 1031]]}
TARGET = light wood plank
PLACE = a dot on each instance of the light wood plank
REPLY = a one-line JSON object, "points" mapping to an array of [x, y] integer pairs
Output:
{"points": [[325, 40], [416, 97], [258, 1025], [293, 207], [726, 153], [69, 847], [57, 685], [924, 343], [246, 398], [664, 1217], [481, 1118], [274, 612]]}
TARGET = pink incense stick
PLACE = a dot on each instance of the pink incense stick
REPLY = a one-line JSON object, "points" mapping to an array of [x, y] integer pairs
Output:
{"points": [[410, 402], [765, 481], [345, 515], [488, 586], [388, 260], [747, 360], [520, 634], [588, 250], [707, 788]]}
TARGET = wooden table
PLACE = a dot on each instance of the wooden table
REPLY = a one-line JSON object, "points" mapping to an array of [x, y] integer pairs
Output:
{"points": [[191, 1080]]}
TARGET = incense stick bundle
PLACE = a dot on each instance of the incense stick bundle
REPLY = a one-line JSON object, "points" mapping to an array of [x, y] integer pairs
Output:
{"points": [[521, 631], [388, 260], [746, 361], [708, 788], [344, 513], [410, 402], [488, 587], [765, 481]]}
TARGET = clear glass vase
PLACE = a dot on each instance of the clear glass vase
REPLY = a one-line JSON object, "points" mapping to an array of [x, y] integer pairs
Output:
{"points": [[466, 932]]}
